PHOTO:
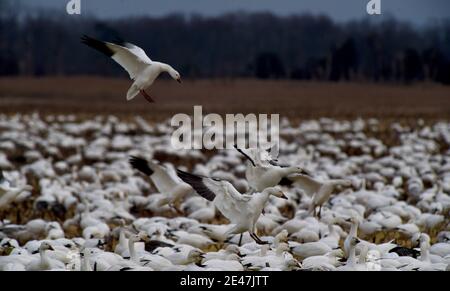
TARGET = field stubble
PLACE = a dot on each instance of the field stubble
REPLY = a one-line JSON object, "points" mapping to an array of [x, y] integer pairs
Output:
{"points": [[293, 99]]}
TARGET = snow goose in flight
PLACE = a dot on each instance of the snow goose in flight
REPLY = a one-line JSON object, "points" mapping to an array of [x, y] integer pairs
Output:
{"points": [[142, 70], [263, 171], [242, 210], [165, 181]]}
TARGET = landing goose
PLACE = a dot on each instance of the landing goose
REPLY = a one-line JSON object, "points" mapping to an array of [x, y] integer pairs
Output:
{"points": [[264, 172], [242, 210], [166, 182], [142, 70], [320, 191]]}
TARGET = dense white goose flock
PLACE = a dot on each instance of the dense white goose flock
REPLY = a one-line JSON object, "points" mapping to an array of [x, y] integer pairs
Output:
{"points": [[363, 195]]}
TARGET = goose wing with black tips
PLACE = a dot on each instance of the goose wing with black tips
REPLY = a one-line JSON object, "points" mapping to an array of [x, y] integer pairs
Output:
{"points": [[202, 185], [131, 57], [164, 182]]}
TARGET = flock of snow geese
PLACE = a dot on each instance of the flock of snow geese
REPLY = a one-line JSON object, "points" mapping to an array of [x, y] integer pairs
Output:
{"points": [[107, 193]]}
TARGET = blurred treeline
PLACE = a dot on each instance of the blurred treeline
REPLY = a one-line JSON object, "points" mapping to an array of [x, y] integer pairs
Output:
{"points": [[231, 46]]}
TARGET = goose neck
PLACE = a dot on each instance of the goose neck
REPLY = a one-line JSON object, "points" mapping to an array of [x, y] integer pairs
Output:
{"points": [[354, 229], [86, 266], [260, 200], [425, 252], [133, 255], [45, 261], [289, 170], [352, 256]]}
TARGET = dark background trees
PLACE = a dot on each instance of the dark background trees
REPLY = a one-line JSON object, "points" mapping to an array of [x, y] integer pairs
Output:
{"points": [[237, 45]]}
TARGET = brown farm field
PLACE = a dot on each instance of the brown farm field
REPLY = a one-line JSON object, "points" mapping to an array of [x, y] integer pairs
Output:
{"points": [[96, 95]]}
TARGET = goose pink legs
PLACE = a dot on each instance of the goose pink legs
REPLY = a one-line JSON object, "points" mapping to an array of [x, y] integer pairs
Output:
{"points": [[146, 96]]}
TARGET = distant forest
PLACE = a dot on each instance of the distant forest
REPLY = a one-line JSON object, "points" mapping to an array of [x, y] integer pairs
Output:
{"points": [[238, 45]]}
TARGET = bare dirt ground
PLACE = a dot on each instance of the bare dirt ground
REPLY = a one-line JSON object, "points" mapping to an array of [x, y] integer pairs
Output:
{"points": [[302, 100]]}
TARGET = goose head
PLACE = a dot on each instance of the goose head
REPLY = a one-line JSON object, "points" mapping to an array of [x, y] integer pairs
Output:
{"points": [[354, 241], [299, 170], [282, 247], [341, 183], [233, 249], [415, 239], [353, 220], [195, 256], [142, 236], [336, 253], [275, 192], [424, 239], [86, 252], [282, 236], [233, 257], [174, 74], [292, 264], [45, 246]]}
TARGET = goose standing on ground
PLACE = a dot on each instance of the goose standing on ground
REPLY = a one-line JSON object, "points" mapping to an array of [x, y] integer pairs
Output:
{"points": [[142, 70], [167, 183], [242, 210], [44, 263], [263, 171]]}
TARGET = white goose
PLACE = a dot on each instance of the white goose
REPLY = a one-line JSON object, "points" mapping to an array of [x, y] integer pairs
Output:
{"points": [[263, 171], [142, 70], [320, 191], [352, 234], [44, 263], [424, 263], [8, 192], [242, 210], [165, 181]]}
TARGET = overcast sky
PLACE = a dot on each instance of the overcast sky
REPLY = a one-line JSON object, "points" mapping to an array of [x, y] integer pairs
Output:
{"points": [[416, 11]]}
